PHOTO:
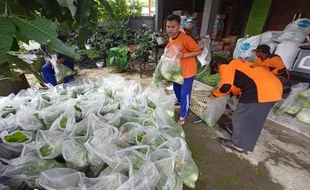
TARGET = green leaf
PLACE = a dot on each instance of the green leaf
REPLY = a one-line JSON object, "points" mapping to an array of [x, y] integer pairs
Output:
{"points": [[13, 60], [83, 13], [82, 35], [68, 4], [43, 31], [6, 34], [107, 6], [17, 137]]}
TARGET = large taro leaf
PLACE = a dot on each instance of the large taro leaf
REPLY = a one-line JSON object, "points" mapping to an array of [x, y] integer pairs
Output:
{"points": [[43, 31], [83, 12], [68, 4], [6, 34]]}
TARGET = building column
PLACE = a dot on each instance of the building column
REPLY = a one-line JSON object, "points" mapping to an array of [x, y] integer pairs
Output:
{"points": [[159, 15], [210, 10]]}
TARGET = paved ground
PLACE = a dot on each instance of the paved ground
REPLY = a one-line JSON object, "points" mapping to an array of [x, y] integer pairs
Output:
{"points": [[281, 159]]}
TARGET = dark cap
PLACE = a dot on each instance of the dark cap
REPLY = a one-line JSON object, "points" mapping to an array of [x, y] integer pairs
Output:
{"points": [[263, 48], [217, 61]]}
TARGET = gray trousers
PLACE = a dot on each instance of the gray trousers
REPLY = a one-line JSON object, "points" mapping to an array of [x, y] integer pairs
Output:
{"points": [[248, 121]]}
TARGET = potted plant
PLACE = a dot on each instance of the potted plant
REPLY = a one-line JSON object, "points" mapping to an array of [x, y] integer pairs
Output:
{"points": [[93, 55], [143, 41], [118, 58]]}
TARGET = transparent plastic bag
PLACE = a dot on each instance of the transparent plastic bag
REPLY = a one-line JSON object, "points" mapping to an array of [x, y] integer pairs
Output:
{"points": [[304, 116], [110, 182], [153, 139], [7, 153], [51, 113], [171, 67], [17, 137], [232, 103], [164, 161], [75, 154], [28, 169], [215, 109], [81, 130], [66, 122], [41, 101], [28, 119], [49, 143], [185, 166], [153, 92], [9, 123], [61, 70], [146, 178], [61, 178], [291, 104]]}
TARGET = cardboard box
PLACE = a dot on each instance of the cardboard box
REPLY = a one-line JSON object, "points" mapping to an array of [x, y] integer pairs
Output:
{"points": [[180, 12]]}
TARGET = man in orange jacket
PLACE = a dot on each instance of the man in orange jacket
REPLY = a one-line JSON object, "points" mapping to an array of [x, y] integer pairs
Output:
{"points": [[260, 90], [271, 62]]}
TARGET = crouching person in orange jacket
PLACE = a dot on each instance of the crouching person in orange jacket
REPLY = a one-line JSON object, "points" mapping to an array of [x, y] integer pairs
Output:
{"points": [[271, 62], [260, 90]]}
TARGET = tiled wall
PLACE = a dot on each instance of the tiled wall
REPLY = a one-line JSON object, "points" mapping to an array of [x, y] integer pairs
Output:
{"points": [[258, 16]]}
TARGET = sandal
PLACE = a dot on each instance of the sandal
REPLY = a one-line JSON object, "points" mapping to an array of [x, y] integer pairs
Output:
{"points": [[181, 121]]}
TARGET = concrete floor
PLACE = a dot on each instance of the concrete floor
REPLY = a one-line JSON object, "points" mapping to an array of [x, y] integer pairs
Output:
{"points": [[281, 159]]}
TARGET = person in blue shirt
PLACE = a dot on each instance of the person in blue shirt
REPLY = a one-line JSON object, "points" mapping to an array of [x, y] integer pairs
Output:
{"points": [[47, 69]]}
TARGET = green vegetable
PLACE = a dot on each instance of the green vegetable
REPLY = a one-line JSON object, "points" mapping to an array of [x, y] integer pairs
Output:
{"points": [[204, 76], [46, 150], [279, 112], [81, 133], [140, 136], [17, 137], [77, 108], [174, 76], [303, 95], [209, 121], [63, 122], [304, 116], [293, 110], [305, 104]]}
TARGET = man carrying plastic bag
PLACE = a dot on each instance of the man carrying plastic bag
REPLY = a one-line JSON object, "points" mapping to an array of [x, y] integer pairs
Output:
{"points": [[188, 50], [260, 90]]}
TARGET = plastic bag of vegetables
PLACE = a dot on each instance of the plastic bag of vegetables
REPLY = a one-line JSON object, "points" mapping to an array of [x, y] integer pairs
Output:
{"points": [[304, 116], [9, 123], [28, 169], [61, 178], [169, 67], [49, 143], [292, 103], [28, 119], [110, 182], [215, 109], [61, 70], [185, 166], [164, 161], [75, 154], [17, 137], [146, 178]]}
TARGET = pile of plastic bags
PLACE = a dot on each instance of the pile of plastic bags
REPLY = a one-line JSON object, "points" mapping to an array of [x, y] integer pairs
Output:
{"points": [[108, 134], [297, 104]]}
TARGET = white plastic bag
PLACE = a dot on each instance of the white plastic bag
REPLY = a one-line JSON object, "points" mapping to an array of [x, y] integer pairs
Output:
{"points": [[185, 166], [28, 119], [215, 109], [61, 70], [205, 57], [296, 31], [169, 68], [75, 154], [237, 51], [61, 178], [291, 104], [49, 143], [288, 51]]}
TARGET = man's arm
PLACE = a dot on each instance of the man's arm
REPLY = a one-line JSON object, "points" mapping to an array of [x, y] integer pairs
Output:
{"points": [[192, 54], [278, 64], [226, 81]]}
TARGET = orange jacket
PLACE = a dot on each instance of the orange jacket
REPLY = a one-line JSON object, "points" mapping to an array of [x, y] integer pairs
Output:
{"points": [[255, 83], [274, 64]]}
